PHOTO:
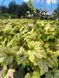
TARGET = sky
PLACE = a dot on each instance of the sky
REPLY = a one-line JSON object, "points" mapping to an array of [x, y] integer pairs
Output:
{"points": [[37, 3]]}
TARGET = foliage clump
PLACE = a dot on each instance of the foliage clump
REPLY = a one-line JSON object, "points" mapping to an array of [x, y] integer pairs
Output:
{"points": [[30, 50]]}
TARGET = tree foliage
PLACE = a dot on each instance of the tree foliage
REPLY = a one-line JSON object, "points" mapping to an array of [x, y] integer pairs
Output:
{"points": [[57, 11]]}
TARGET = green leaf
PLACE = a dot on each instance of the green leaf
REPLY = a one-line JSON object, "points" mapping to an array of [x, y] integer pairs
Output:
{"points": [[28, 75], [36, 74], [43, 66], [7, 55], [52, 62], [53, 74]]}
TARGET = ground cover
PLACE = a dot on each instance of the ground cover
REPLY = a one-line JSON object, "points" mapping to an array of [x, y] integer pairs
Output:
{"points": [[28, 49]]}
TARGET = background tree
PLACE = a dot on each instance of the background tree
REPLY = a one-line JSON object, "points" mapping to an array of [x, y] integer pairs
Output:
{"points": [[12, 8], [2, 5], [19, 10], [22, 10], [30, 4], [57, 11]]}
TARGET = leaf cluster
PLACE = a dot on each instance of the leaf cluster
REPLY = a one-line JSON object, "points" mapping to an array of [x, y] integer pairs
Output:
{"points": [[30, 48]]}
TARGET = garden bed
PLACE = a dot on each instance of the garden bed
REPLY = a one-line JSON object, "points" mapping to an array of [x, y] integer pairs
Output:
{"points": [[29, 50]]}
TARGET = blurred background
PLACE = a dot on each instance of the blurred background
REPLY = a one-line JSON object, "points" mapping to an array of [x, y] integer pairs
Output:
{"points": [[43, 9]]}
